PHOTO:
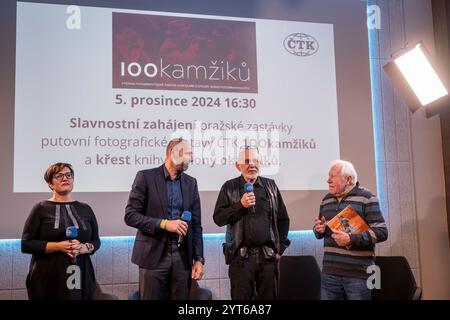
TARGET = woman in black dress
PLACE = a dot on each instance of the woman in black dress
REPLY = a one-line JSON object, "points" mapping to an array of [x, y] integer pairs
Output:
{"points": [[52, 273]]}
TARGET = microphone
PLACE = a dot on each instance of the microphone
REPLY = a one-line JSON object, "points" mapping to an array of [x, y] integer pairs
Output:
{"points": [[72, 233], [186, 217], [248, 187]]}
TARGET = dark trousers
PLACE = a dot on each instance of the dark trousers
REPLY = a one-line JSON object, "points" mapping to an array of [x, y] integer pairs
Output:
{"points": [[170, 279], [253, 277]]}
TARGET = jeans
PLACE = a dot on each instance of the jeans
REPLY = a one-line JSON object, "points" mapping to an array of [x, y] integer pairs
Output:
{"points": [[344, 288]]}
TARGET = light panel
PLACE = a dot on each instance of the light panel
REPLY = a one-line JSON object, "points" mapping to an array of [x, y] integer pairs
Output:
{"points": [[421, 76]]}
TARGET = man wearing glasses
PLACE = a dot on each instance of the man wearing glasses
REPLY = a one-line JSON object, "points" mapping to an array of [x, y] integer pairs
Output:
{"points": [[168, 247], [257, 227]]}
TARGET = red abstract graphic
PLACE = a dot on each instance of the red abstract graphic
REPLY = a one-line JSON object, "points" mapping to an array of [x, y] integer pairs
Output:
{"points": [[179, 53]]}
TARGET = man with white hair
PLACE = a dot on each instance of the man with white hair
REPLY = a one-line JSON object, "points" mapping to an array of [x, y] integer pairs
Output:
{"points": [[347, 255], [257, 229]]}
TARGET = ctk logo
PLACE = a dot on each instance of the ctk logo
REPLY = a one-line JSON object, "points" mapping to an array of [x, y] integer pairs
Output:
{"points": [[301, 44]]}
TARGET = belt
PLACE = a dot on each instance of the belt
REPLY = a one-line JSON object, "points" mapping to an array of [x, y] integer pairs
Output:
{"points": [[254, 250], [245, 251], [268, 252], [172, 240]]}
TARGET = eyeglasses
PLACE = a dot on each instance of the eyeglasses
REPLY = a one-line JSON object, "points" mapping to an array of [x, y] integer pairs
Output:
{"points": [[60, 176], [249, 157], [248, 148]]}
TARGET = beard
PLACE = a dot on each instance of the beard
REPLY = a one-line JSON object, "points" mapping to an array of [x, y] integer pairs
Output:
{"points": [[251, 176], [183, 166]]}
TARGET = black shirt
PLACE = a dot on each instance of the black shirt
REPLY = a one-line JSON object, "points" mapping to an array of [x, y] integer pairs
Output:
{"points": [[257, 223]]}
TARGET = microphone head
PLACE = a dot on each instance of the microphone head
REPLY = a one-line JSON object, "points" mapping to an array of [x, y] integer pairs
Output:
{"points": [[248, 187], [71, 232], [186, 216]]}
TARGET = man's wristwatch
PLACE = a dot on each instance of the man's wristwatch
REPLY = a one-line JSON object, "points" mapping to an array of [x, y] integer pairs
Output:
{"points": [[202, 260]]}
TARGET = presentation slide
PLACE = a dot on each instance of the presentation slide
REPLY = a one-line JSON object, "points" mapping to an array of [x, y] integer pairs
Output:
{"points": [[106, 84], [106, 89]]}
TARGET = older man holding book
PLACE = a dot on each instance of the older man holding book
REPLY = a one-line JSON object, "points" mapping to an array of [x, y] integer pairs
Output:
{"points": [[351, 223]]}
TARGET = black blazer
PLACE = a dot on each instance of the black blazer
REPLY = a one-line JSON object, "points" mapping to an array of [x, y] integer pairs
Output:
{"points": [[147, 205]]}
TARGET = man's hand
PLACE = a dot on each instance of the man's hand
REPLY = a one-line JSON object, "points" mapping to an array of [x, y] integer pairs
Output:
{"points": [[248, 200], [197, 271], [320, 225], [178, 226], [342, 238]]}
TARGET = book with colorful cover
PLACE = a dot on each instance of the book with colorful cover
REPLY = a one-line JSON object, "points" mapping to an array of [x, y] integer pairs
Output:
{"points": [[348, 220]]}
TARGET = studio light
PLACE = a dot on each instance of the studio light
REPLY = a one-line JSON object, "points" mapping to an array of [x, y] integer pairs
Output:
{"points": [[416, 78]]}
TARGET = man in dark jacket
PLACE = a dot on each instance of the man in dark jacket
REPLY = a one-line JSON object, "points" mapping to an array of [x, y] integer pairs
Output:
{"points": [[257, 228], [157, 201]]}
